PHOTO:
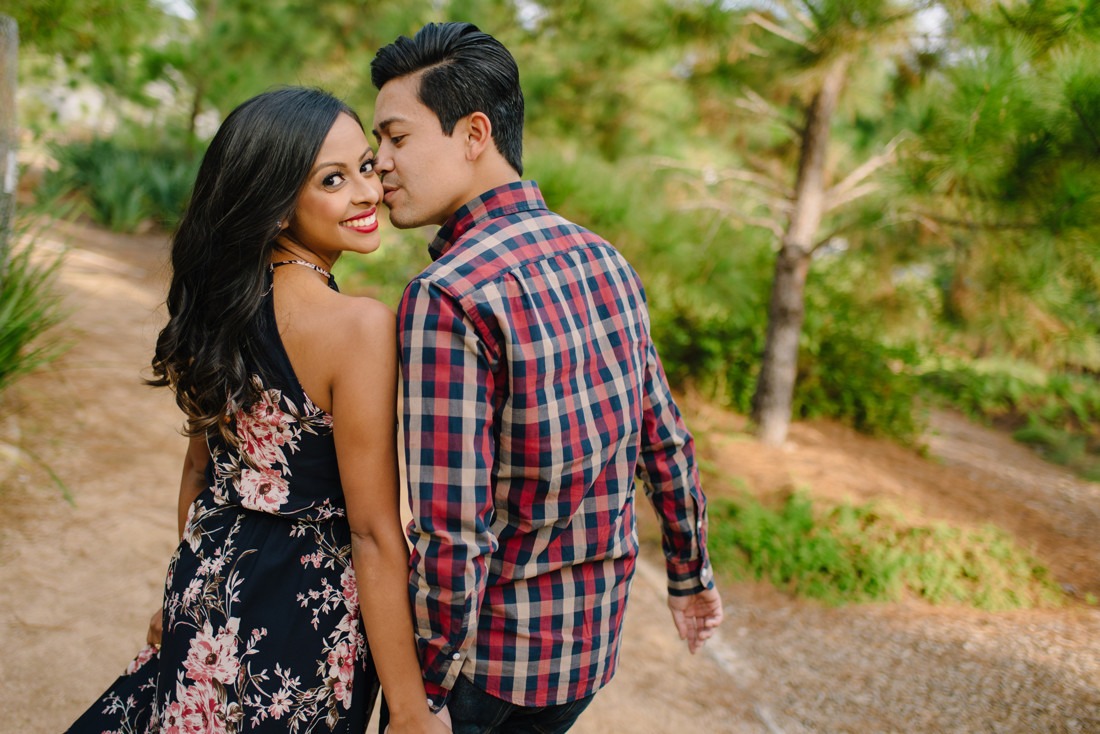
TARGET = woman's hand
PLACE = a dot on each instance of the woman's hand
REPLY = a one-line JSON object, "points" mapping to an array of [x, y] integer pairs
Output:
{"points": [[439, 723]]}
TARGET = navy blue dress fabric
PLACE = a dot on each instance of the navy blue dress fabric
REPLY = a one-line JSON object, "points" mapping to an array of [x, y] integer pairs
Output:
{"points": [[262, 630]]}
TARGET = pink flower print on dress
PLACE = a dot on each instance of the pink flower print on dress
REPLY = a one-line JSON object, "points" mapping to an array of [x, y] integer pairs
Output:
{"points": [[171, 721], [147, 653], [351, 593], [213, 657], [191, 593], [341, 670], [190, 532], [198, 711], [265, 490], [341, 690], [264, 430], [280, 704]]}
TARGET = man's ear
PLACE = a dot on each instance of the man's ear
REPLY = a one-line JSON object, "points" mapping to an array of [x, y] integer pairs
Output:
{"points": [[479, 135]]}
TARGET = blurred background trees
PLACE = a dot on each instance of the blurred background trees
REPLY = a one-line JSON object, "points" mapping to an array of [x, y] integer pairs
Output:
{"points": [[842, 208]]}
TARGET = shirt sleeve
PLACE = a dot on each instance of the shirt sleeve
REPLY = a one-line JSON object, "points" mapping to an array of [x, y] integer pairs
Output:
{"points": [[670, 477], [448, 386]]}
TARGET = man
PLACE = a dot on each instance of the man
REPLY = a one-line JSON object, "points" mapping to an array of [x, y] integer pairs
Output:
{"points": [[532, 396]]}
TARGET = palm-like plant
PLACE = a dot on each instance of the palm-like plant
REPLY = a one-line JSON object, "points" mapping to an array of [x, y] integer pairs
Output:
{"points": [[796, 66]]}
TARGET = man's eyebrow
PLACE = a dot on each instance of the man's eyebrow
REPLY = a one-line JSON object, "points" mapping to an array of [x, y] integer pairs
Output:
{"points": [[384, 126]]}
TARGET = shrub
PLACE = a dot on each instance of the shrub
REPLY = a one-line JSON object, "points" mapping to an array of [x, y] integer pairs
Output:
{"points": [[705, 345], [845, 371], [1058, 413], [123, 181], [860, 381], [862, 554], [28, 310]]}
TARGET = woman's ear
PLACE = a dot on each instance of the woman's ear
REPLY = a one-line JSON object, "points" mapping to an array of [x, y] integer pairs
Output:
{"points": [[479, 135]]}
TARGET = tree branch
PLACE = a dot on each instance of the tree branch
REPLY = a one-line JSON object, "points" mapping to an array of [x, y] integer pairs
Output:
{"points": [[712, 177], [851, 195], [768, 223], [753, 102], [776, 29], [850, 188], [975, 226]]}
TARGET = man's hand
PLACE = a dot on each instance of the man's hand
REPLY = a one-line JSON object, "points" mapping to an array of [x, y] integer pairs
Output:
{"points": [[696, 616]]}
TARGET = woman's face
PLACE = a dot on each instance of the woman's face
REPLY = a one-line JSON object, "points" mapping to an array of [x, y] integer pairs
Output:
{"points": [[337, 208]]}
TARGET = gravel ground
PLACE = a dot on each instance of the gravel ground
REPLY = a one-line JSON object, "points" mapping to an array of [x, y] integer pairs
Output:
{"points": [[905, 668]]}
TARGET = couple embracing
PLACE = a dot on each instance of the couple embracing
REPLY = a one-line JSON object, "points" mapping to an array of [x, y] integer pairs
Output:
{"points": [[532, 398]]}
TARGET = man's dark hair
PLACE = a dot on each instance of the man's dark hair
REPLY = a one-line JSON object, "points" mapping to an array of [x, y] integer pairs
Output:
{"points": [[464, 70]]}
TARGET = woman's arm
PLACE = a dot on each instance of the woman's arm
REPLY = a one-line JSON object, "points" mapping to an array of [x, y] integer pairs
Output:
{"points": [[192, 482], [364, 410]]}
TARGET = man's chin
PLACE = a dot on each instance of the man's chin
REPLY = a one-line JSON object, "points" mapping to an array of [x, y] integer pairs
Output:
{"points": [[403, 221]]}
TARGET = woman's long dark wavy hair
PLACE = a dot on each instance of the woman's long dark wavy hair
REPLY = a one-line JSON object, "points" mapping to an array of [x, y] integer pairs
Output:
{"points": [[247, 184]]}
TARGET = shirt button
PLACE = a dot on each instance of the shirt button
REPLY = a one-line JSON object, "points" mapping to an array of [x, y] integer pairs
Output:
{"points": [[456, 656]]}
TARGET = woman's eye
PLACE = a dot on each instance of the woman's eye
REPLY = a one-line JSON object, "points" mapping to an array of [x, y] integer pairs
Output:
{"points": [[332, 180], [367, 167]]}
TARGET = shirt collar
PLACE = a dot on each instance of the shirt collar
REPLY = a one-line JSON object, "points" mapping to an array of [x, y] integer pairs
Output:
{"points": [[519, 196]]}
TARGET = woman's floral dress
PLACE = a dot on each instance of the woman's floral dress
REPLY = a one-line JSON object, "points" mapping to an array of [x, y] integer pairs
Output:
{"points": [[261, 615]]}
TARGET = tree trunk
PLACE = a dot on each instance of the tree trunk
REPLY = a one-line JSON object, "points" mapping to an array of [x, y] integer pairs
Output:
{"points": [[771, 410], [9, 57], [196, 110]]}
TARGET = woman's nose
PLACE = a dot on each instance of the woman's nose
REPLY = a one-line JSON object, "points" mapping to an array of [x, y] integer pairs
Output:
{"points": [[369, 189]]}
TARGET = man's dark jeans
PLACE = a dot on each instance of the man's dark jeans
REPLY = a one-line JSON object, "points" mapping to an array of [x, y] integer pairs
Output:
{"points": [[475, 712]]}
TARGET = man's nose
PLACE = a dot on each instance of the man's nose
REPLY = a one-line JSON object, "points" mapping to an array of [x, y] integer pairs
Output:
{"points": [[383, 162]]}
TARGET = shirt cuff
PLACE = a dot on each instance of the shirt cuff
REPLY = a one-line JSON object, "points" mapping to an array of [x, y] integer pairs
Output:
{"points": [[690, 577], [437, 696], [441, 675]]}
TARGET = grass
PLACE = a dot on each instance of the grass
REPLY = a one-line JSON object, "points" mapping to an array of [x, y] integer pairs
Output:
{"points": [[852, 553], [29, 309]]}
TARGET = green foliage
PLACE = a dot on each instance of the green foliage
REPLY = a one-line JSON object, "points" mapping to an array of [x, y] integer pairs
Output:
{"points": [[862, 554], [385, 273], [1004, 174], [1058, 413], [75, 27], [844, 373], [855, 378], [29, 309], [848, 369], [124, 182], [998, 190], [702, 344]]}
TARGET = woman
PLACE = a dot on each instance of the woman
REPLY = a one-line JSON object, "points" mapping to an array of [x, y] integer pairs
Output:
{"points": [[288, 504]]}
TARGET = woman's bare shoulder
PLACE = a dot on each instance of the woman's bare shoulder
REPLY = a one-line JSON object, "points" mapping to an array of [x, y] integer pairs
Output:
{"points": [[363, 312], [358, 323]]}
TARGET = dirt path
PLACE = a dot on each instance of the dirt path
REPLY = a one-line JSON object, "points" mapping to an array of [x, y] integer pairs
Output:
{"points": [[80, 580]]}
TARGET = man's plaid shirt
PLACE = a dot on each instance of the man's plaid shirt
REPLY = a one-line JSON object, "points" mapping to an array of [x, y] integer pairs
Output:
{"points": [[532, 396]]}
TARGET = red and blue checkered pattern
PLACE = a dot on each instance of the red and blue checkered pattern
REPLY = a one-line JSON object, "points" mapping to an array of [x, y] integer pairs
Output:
{"points": [[533, 396]]}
